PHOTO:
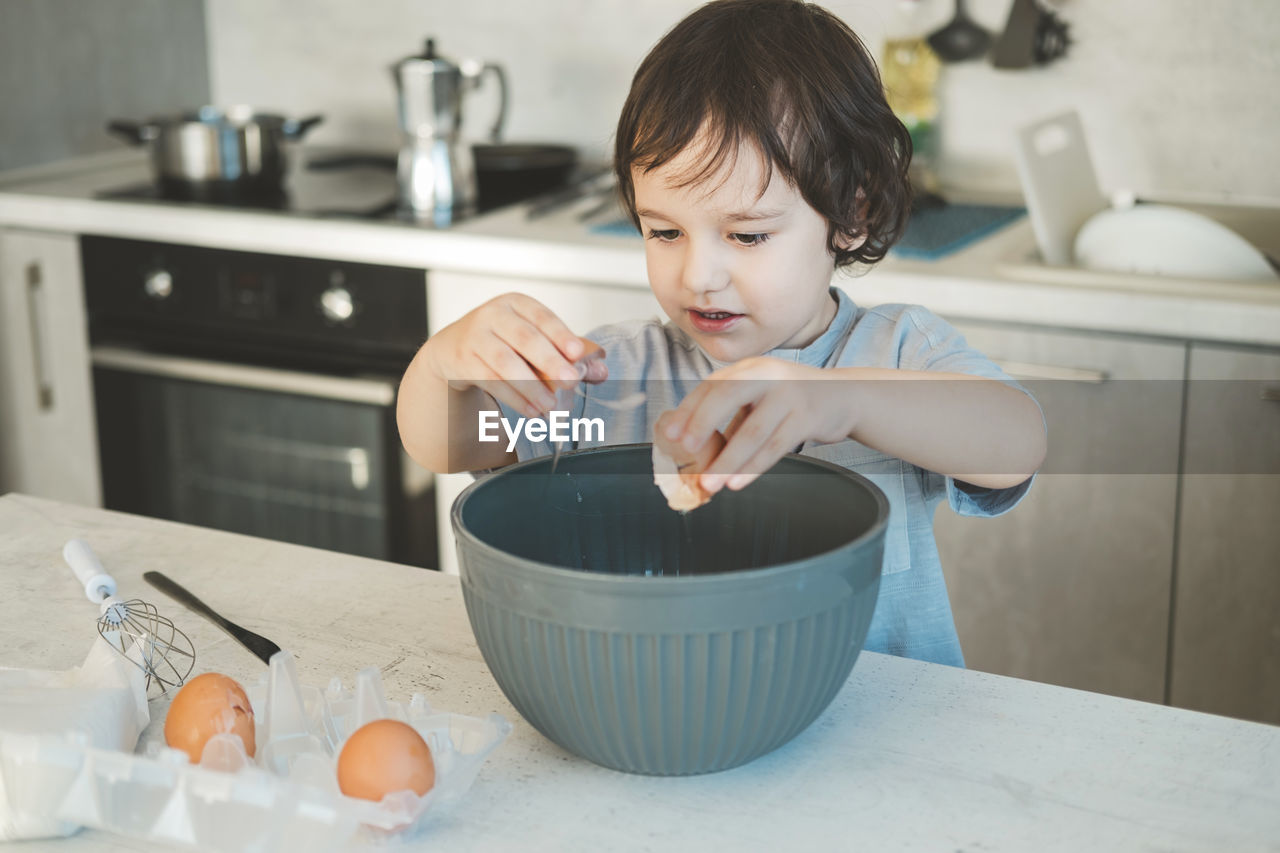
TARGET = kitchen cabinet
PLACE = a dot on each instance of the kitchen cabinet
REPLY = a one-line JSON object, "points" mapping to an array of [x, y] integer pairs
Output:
{"points": [[1226, 615], [48, 444], [582, 307], [1073, 586]]}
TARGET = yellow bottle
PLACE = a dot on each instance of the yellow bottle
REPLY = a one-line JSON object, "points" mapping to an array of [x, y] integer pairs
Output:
{"points": [[909, 70]]}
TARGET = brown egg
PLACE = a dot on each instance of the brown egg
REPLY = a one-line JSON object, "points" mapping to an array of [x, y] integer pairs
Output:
{"points": [[383, 757], [590, 350], [207, 705]]}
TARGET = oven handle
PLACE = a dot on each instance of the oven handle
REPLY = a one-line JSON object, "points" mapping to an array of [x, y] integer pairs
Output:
{"points": [[368, 390]]}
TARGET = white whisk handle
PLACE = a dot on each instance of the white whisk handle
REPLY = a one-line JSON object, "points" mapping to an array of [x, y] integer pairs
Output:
{"points": [[97, 583]]}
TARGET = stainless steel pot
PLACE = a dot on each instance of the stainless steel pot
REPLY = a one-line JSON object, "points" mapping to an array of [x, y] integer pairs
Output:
{"points": [[234, 147]]}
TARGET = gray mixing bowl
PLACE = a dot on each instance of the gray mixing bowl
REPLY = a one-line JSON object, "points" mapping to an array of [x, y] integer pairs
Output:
{"points": [[654, 642]]}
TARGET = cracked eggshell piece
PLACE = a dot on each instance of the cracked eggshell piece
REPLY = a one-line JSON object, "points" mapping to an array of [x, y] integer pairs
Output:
{"points": [[676, 470], [208, 705]]}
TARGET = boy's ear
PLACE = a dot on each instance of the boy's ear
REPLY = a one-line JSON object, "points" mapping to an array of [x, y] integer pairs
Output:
{"points": [[849, 241]]}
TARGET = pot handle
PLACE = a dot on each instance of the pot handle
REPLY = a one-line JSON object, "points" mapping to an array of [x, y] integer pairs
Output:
{"points": [[295, 128], [138, 134]]}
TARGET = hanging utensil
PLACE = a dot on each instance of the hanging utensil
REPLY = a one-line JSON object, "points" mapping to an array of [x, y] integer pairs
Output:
{"points": [[961, 39], [134, 628], [1053, 37], [1032, 35]]}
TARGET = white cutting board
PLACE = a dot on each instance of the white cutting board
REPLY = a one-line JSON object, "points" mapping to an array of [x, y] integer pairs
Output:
{"points": [[1058, 183]]}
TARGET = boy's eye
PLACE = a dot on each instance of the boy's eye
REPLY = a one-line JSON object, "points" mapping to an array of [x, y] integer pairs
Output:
{"points": [[666, 236], [749, 239]]}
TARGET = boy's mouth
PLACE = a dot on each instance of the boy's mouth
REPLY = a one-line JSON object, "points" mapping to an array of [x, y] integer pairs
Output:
{"points": [[713, 321]]}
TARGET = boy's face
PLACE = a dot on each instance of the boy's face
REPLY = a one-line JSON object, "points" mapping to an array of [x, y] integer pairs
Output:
{"points": [[740, 272]]}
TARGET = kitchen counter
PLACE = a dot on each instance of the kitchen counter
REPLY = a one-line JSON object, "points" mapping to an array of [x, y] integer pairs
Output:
{"points": [[997, 278], [909, 755]]}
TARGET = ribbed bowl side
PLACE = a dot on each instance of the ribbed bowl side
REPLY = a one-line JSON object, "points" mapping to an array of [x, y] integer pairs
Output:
{"points": [[657, 643], [671, 704]]}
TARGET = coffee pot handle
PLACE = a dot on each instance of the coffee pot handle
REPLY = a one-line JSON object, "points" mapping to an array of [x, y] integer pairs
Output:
{"points": [[475, 77]]}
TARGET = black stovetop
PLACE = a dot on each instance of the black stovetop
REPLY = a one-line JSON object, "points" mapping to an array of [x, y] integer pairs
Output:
{"points": [[342, 185]]}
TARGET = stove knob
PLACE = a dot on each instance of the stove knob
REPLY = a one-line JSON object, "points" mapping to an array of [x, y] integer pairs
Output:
{"points": [[158, 285], [337, 305]]}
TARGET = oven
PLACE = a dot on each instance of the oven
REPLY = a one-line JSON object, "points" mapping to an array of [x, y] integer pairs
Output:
{"points": [[256, 393]]}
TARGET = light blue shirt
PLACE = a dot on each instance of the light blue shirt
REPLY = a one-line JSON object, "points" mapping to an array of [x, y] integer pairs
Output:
{"points": [[913, 614]]}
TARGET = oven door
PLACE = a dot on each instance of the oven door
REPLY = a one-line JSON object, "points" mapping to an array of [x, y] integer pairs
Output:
{"points": [[301, 457]]}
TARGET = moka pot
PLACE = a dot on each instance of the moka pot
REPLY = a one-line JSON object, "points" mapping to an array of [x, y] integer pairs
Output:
{"points": [[436, 172]]}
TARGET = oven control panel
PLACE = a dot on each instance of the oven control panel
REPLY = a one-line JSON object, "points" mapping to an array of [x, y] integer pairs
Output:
{"points": [[146, 292]]}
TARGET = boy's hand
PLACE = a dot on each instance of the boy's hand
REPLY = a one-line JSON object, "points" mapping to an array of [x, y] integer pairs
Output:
{"points": [[497, 346], [788, 405]]}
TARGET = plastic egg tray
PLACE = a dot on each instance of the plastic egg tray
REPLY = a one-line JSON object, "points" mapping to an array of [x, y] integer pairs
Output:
{"points": [[286, 796]]}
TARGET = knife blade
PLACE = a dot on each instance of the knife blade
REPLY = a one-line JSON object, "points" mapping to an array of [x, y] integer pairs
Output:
{"points": [[259, 645]]}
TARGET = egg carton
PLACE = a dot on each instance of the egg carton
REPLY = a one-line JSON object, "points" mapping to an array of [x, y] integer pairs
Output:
{"points": [[284, 797]]}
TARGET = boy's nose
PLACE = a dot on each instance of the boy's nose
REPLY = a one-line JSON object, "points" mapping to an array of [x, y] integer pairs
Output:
{"points": [[703, 271]]}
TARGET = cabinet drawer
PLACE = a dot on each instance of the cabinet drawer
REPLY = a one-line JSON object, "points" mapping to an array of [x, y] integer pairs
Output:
{"points": [[1073, 586], [47, 432], [1233, 411], [1226, 616], [1101, 395]]}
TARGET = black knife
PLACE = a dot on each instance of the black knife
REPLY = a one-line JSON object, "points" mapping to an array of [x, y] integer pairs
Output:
{"points": [[260, 646]]}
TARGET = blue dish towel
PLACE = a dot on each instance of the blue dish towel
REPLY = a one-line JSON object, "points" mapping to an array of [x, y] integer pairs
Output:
{"points": [[931, 234], [936, 232]]}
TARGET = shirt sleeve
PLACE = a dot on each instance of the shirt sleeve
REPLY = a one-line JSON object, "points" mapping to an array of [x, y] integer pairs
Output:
{"points": [[930, 343]]}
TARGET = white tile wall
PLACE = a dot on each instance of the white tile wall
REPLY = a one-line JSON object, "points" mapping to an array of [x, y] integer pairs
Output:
{"points": [[66, 69], [1179, 97]]}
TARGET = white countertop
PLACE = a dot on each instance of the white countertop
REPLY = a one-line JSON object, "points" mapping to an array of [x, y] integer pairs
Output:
{"points": [[909, 755], [995, 279]]}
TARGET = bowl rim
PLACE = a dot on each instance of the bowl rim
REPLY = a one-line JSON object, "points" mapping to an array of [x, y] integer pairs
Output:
{"points": [[657, 582]]}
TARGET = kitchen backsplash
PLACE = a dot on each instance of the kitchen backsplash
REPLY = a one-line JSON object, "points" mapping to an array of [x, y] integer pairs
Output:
{"points": [[1178, 97], [66, 69]]}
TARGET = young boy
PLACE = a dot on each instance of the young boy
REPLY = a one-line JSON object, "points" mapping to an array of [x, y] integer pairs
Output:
{"points": [[756, 154]]}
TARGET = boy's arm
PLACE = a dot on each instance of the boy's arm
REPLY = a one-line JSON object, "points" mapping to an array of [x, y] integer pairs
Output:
{"points": [[972, 428], [975, 429], [512, 349], [439, 425]]}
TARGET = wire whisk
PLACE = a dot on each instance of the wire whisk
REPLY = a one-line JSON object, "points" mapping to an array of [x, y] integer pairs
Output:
{"points": [[134, 627]]}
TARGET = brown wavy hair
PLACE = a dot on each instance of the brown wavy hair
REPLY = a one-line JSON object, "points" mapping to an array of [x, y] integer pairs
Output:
{"points": [[796, 82]]}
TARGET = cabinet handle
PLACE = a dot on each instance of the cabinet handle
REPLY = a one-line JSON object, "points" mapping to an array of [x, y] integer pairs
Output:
{"points": [[1026, 370], [35, 315], [1271, 395]]}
